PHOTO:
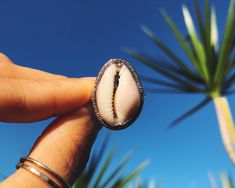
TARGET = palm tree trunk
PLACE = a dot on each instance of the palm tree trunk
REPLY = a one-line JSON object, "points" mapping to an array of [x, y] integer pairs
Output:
{"points": [[226, 125]]}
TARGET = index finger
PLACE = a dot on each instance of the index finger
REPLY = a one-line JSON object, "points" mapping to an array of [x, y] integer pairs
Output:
{"points": [[34, 100]]}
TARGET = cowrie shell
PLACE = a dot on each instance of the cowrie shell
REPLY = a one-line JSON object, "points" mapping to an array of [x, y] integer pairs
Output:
{"points": [[118, 95]]}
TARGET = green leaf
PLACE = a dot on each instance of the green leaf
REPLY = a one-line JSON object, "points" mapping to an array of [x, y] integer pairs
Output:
{"points": [[117, 183], [79, 182], [228, 83], [230, 79], [116, 171], [99, 179], [205, 33], [230, 181], [226, 44], [200, 22], [139, 183], [165, 91], [92, 166], [214, 29], [184, 69], [196, 42], [189, 78], [210, 50], [103, 169], [148, 62], [158, 82], [208, 23], [191, 112], [226, 181], [166, 50], [229, 67], [133, 174], [184, 44]]}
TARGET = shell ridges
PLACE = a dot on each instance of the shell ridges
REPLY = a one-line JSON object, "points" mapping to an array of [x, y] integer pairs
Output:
{"points": [[118, 95]]}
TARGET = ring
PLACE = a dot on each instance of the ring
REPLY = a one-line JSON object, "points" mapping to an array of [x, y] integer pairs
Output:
{"points": [[44, 167], [42, 176]]}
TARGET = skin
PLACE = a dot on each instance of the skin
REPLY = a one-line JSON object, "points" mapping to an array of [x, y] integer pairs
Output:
{"points": [[29, 95]]}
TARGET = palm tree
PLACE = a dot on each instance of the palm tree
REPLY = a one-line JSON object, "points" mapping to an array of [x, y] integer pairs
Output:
{"points": [[210, 70], [96, 173]]}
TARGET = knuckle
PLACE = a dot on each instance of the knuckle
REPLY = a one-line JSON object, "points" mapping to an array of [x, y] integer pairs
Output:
{"points": [[2, 55], [5, 59], [21, 104]]}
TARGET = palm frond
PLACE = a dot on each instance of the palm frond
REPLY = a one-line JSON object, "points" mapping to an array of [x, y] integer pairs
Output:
{"points": [[156, 81], [183, 68], [209, 48], [139, 183], [214, 29], [103, 169], [229, 67], [153, 64], [169, 91], [183, 42], [190, 112], [134, 173], [209, 67], [96, 173], [89, 172], [230, 80], [198, 47], [226, 43], [207, 22], [200, 23], [116, 171], [226, 181], [211, 64], [166, 50]]}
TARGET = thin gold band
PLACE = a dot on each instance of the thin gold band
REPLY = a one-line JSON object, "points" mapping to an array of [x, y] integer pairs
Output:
{"points": [[42, 176], [62, 182]]}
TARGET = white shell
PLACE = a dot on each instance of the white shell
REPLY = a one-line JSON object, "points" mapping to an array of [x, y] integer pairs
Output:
{"points": [[118, 94]]}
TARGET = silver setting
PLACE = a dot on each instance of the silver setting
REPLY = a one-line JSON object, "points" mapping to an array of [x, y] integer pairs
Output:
{"points": [[140, 88]]}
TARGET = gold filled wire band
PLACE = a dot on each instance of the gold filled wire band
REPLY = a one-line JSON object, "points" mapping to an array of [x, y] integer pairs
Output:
{"points": [[47, 169], [42, 176]]}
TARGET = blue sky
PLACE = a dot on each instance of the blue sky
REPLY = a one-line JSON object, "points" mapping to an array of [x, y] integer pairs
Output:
{"points": [[75, 38]]}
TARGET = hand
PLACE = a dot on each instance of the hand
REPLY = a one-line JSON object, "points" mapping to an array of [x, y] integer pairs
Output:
{"points": [[29, 95]]}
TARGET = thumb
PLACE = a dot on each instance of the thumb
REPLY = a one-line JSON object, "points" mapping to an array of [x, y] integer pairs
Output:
{"points": [[64, 147]]}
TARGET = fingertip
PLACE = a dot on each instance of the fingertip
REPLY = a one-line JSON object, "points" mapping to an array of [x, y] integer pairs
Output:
{"points": [[73, 93], [86, 81], [85, 84]]}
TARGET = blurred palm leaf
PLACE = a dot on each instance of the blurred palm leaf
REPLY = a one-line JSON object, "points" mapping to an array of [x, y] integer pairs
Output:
{"points": [[144, 184], [208, 68], [98, 175], [225, 179]]}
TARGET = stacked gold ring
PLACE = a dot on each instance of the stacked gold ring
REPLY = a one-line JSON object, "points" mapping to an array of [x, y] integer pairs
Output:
{"points": [[42, 176]]}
